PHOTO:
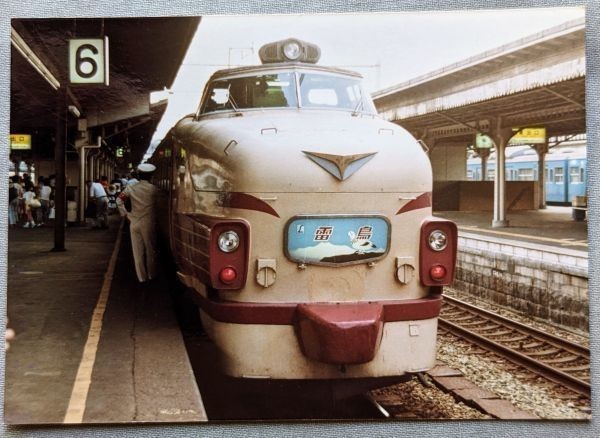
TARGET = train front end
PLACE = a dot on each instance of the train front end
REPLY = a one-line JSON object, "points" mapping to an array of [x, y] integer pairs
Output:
{"points": [[303, 223]]}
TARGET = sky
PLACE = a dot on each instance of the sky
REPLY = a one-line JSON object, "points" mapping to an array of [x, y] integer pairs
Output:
{"points": [[386, 48]]}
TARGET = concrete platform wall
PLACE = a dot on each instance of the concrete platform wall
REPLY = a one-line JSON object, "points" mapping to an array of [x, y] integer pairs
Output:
{"points": [[449, 163], [479, 195], [544, 282]]}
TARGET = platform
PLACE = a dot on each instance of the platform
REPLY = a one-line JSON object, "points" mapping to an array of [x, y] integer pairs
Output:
{"points": [[138, 371], [538, 265], [552, 226]]}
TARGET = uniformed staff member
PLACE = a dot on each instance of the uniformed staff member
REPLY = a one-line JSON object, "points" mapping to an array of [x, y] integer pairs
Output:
{"points": [[142, 221]]}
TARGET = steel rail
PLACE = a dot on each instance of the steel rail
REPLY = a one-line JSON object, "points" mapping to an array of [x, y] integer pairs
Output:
{"points": [[551, 373], [380, 409], [523, 328]]}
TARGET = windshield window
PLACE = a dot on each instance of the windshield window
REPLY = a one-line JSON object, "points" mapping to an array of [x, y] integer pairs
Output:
{"points": [[265, 91], [278, 90], [329, 91]]}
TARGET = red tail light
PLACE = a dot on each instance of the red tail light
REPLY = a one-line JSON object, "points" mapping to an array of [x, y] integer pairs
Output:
{"points": [[437, 256], [437, 272], [227, 275]]}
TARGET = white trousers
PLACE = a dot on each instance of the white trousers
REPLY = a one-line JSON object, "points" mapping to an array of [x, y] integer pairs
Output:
{"points": [[143, 244]]}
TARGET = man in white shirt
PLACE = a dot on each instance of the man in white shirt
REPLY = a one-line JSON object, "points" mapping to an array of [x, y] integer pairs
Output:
{"points": [[45, 192], [142, 218], [98, 194], [132, 179]]}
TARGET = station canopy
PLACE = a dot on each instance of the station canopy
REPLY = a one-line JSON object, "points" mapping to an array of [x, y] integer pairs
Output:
{"points": [[144, 56], [537, 81]]}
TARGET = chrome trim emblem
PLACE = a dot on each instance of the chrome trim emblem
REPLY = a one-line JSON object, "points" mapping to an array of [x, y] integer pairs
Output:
{"points": [[340, 166]]}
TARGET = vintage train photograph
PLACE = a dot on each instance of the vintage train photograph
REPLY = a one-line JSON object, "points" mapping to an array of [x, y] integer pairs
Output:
{"points": [[298, 217]]}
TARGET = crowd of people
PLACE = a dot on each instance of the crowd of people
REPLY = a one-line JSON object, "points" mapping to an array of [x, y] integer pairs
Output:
{"points": [[30, 205]]}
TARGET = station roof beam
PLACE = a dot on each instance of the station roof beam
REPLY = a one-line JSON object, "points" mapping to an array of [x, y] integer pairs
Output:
{"points": [[536, 81]]}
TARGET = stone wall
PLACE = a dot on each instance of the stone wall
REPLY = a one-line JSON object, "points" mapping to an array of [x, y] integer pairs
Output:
{"points": [[541, 281]]}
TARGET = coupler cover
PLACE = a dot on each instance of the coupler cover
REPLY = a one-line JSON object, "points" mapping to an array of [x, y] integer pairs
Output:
{"points": [[339, 334]]}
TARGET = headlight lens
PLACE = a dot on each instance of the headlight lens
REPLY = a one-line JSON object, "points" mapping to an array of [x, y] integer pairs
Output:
{"points": [[229, 241], [292, 50], [438, 240]]}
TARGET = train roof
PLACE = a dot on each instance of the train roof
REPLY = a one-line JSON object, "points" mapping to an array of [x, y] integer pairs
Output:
{"points": [[527, 158], [279, 66]]}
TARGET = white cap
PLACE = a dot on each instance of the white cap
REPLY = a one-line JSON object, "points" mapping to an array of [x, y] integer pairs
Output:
{"points": [[146, 167]]}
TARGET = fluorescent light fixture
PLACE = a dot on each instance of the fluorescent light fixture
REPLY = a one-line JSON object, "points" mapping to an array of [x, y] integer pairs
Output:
{"points": [[74, 110], [19, 43]]}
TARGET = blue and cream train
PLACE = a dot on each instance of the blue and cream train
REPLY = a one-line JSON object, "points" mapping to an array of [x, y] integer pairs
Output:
{"points": [[565, 171]]}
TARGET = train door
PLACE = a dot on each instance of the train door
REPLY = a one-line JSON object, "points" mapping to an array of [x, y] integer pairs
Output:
{"points": [[576, 179]]}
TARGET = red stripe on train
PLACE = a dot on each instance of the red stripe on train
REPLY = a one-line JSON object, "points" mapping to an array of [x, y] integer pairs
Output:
{"points": [[422, 201]]}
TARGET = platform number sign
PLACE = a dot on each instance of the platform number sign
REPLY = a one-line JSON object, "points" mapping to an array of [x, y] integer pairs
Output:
{"points": [[88, 61]]}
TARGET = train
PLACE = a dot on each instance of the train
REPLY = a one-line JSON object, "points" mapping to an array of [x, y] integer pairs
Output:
{"points": [[301, 222], [565, 171]]}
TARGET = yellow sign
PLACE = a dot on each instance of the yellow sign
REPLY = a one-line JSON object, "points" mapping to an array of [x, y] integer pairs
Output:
{"points": [[529, 136], [20, 141]]}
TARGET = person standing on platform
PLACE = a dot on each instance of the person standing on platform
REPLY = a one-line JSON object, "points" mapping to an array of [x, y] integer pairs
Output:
{"points": [[133, 179], [142, 218], [98, 194], [45, 191], [15, 199], [31, 204]]}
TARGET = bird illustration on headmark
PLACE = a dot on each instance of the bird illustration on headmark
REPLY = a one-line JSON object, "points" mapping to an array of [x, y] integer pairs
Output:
{"points": [[361, 245]]}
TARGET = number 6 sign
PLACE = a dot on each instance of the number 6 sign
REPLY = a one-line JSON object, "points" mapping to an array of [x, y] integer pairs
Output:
{"points": [[88, 61]]}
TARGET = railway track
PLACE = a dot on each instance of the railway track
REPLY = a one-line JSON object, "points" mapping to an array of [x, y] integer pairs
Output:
{"points": [[558, 360]]}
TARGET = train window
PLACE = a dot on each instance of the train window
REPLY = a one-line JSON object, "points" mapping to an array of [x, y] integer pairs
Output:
{"points": [[526, 175], [328, 91], [575, 175], [264, 91], [323, 97], [559, 175]]}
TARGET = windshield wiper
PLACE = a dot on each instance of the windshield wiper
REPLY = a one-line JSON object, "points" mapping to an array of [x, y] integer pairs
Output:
{"points": [[231, 101], [358, 107]]}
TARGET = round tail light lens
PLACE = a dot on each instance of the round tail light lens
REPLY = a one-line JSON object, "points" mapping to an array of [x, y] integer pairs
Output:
{"points": [[437, 272], [227, 275]]}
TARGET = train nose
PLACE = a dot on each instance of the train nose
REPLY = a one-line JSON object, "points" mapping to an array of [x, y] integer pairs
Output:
{"points": [[339, 334]]}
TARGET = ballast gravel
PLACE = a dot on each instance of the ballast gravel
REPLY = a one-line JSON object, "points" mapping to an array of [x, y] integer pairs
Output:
{"points": [[486, 373], [413, 400]]}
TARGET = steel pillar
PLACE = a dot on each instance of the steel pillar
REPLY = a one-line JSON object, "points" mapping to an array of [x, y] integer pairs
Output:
{"points": [[501, 138], [542, 150], [484, 154], [60, 156]]}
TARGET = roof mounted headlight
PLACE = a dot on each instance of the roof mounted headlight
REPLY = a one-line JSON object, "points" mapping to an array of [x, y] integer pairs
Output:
{"points": [[292, 50], [289, 50]]}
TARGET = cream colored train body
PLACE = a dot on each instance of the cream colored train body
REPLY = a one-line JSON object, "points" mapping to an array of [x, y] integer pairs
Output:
{"points": [[302, 222]]}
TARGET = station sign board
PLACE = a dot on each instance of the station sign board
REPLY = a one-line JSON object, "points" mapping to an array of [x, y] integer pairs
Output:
{"points": [[20, 141], [483, 141], [532, 135], [88, 61]]}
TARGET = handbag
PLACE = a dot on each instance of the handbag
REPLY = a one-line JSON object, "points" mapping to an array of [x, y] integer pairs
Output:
{"points": [[34, 203], [52, 213]]}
